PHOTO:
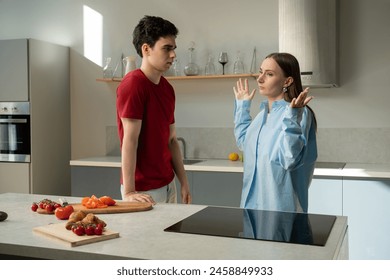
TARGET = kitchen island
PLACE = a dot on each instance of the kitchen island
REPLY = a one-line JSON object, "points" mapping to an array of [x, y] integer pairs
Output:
{"points": [[355, 191], [142, 236]]}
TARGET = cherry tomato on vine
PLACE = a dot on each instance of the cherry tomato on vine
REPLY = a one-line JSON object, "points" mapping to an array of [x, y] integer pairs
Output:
{"points": [[90, 229], [98, 230], [49, 208], [79, 230], [34, 207]]}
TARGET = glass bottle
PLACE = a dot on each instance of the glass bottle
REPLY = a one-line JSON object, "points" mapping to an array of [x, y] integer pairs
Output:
{"points": [[191, 69], [107, 69], [238, 65], [253, 62], [210, 68], [176, 67]]}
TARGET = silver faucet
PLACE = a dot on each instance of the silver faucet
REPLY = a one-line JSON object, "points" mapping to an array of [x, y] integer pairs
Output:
{"points": [[181, 139]]}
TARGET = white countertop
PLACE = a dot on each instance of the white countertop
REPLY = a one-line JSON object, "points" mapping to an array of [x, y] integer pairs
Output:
{"points": [[354, 170], [142, 236]]}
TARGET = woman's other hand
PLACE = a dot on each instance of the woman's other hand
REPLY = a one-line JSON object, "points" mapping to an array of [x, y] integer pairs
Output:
{"points": [[241, 91], [302, 100]]}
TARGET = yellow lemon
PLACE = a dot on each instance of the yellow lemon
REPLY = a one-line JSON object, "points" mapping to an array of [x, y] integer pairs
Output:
{"points": [[234, 156]]}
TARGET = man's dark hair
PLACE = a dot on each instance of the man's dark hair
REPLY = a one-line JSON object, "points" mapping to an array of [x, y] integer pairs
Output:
{"points": [[150, 29]]}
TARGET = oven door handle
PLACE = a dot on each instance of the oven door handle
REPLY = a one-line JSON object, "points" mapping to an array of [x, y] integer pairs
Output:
{"points": [[13, 120]]}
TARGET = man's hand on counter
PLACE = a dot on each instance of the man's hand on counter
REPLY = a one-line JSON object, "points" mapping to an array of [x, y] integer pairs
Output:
{"points": [[138, 197]]}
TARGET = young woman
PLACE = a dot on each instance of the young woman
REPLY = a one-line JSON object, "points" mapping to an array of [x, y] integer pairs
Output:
{"points": [[279, 144]]}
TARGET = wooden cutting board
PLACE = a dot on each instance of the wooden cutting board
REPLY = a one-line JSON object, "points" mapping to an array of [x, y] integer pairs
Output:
{"points": [[60, 233], [119, 207]]}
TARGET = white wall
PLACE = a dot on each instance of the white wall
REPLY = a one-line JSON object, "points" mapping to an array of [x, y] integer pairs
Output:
{"points": [[361, 101]]}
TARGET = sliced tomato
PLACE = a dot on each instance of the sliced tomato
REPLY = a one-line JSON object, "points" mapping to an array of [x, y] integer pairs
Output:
{"points": [[107, 200], [93, 202], [85, 200]]}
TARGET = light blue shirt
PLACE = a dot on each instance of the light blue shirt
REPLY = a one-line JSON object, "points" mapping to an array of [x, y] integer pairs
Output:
{"points": [[280, 150]]}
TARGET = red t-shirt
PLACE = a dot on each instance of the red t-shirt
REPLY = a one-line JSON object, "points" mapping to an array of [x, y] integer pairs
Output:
{"points": [[139, 98]]}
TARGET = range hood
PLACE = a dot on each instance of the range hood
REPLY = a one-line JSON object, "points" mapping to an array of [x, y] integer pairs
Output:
{"points": [[307, 29]]}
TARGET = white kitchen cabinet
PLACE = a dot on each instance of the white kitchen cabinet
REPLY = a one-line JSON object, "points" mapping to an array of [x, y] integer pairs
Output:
{"points": [[326, 196], [366, 203]]}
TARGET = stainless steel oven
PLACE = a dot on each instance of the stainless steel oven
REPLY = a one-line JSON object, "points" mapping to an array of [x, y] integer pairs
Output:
{"points": [[15, 143]]}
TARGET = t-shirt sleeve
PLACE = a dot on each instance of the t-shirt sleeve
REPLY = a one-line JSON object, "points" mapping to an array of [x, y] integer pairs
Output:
{"points": [[130, 100]]}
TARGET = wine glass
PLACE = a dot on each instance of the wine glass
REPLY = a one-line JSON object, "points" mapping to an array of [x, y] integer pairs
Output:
{"points": [[223, 59]]}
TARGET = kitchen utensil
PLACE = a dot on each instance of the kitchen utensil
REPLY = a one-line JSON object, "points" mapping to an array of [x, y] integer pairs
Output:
{"points": [[119, 207], [60, 233]]}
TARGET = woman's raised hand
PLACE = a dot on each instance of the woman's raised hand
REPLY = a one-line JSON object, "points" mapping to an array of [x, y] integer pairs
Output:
{"points": [[241, 91], [302, 100]]}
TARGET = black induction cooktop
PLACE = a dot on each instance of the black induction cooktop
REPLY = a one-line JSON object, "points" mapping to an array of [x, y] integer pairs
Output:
{"points": [[299, 228]]}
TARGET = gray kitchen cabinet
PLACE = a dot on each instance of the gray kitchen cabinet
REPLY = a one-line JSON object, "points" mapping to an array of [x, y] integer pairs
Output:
{"points": [[14, 178], [216, 188], [89, 180], [14, 70], [178, 186], [366, 203], [37, 73], [99, 181], [326, 196]]}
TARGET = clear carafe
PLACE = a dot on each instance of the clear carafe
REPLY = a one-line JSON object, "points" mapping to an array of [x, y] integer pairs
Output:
{"points": [[191, 69]]}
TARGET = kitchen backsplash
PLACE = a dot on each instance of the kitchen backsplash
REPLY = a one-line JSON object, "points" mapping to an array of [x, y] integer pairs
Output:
{"points": [[352, 145]]}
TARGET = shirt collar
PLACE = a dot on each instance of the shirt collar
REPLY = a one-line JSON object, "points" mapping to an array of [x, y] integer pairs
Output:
{"points": [[275, 105]]}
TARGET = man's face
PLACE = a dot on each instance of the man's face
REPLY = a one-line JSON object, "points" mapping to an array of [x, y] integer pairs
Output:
{"points": [[161, 56]]}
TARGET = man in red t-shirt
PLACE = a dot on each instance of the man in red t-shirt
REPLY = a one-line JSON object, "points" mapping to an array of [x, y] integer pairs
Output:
{"points": [[150, 151]]}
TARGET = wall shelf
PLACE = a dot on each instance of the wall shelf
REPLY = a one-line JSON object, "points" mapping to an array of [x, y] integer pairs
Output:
{"points": [[199, 77]]}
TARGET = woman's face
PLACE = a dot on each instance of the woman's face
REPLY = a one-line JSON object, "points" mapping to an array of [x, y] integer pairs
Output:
{"points": [[271, 79]]}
